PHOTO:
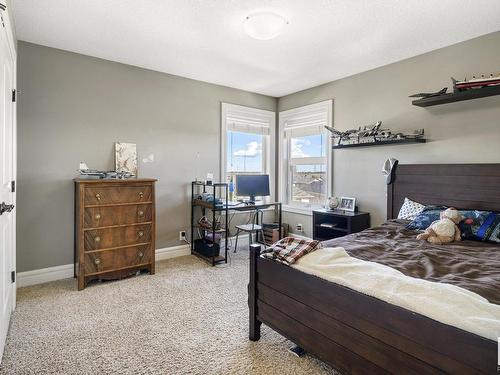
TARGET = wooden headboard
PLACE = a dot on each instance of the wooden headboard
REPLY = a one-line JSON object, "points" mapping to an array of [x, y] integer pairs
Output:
{"points": [[467, 186]]}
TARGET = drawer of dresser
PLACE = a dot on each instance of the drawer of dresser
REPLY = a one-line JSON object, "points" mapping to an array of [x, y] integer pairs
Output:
{"points": [[97, 195], [109, 260], [104, 216], [106, 238]]}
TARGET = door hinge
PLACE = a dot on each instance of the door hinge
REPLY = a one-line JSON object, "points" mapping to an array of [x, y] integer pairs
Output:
{"points": [[13, 276], [13, 186], [14, 95]]}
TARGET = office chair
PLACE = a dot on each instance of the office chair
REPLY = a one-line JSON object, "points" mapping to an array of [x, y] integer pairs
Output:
{"points": [[251, 227]]}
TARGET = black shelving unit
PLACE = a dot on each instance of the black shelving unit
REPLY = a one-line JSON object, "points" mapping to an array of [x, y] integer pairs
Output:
{"points": [[202, 246], [381, 143], [328, 224], [458, 96]]}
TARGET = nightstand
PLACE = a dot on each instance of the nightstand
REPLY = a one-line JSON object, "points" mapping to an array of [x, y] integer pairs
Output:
{"points": [[329, 224]]}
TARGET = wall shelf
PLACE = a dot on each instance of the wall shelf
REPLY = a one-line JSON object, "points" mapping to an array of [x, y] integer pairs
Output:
{"points": [[382, 143], [458, 96]]}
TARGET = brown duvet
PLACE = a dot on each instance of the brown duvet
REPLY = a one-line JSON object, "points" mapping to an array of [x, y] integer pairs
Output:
{"points": [[468, 264]]}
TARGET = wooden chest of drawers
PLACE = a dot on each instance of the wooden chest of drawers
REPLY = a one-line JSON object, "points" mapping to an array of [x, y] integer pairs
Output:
{"points": [[114, 228]]}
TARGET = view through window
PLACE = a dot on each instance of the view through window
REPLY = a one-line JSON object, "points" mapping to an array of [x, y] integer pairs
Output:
{"points": [[308, 177], [246, 142], [305, 156], [244, 153]]}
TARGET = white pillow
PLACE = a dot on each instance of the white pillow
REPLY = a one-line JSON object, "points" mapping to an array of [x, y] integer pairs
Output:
{"points": [[410, 209]]}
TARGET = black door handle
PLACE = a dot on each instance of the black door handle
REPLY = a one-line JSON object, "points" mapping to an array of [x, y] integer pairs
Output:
{"points": [[5, 207]]}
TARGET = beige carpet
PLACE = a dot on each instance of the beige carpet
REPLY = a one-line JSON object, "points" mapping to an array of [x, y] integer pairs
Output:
{"points": [[189, 318]]}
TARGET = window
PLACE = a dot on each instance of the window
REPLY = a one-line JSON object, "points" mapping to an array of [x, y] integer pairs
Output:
{"points": [[305, 170], [246, 139]]}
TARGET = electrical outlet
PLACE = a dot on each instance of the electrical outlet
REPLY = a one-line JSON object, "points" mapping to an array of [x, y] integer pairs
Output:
{"points": [[182, 235], [299, 228]]}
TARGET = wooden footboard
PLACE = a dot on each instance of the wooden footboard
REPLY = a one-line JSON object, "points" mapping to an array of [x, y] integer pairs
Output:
{"points": [[355, 333]]}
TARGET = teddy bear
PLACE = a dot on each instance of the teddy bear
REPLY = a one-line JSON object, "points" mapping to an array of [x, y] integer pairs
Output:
{"points": [[444, 230]]}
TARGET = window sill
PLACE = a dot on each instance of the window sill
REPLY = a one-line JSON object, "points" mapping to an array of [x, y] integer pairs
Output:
{"points": [[299, 210]]}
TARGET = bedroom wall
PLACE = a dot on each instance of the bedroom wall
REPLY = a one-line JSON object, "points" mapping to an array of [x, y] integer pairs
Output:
{"points": [[73, 108], [464, 132]]}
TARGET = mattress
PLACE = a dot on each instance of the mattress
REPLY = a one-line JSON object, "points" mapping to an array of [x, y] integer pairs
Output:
{"points": [[471, 265], [445, 303]]}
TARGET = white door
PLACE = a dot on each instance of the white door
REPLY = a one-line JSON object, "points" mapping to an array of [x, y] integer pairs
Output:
{"points": [[7, 196]]}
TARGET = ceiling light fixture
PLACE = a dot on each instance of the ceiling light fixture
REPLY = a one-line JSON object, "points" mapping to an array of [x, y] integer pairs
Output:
{"points": [[264, 25]]}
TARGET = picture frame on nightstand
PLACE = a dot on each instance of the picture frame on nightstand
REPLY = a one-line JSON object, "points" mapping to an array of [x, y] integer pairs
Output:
{"points": [[347, 204]]}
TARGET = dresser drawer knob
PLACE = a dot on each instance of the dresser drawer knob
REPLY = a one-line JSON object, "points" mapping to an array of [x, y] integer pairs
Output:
{"points": [[140, 213], [141, 254], [97, 239], [97, 216], [140, 233], [141, 194], [97, 261], [98, 196]]}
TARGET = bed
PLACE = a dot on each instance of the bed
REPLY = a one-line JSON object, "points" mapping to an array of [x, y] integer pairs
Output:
{"points": [[359, 334]]}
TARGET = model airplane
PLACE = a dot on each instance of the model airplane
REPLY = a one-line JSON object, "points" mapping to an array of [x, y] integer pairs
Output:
{"points": [[343, 136], [357, 134], [371, 134], [419, 133], [425, 95]]}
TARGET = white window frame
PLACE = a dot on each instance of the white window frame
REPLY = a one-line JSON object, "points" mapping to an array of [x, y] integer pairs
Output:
{"points": [[268, 145], [304, 113]]}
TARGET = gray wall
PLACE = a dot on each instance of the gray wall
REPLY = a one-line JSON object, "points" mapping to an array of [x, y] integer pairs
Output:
{"points": [[73, 108], [465, 132]]}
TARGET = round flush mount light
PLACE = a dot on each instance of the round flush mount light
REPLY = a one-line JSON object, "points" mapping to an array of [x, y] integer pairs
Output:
{"points": [[264, 25]]}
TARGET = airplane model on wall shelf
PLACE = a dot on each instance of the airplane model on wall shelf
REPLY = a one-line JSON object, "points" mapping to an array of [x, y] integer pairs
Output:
{"points": [[373, 133], [460, 86]]}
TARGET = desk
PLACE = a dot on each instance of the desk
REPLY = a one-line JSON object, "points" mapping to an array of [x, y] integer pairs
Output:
{"points": [[207, 246]]}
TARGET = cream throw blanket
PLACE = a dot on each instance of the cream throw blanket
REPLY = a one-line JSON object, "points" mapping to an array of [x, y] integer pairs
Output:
{"points": [[445, 303]]}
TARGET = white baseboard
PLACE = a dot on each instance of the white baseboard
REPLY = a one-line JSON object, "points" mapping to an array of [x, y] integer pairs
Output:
{"points": [[44, 275], [65, 271], [172, 252]]}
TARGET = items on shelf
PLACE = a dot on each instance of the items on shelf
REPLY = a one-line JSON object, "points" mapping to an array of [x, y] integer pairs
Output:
{"points": [[475, 83], [210, 198], [206, 224], [462, 90], [86, 172], [372, 134]]}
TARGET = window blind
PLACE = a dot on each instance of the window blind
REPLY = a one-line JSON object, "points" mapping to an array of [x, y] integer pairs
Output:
{"points": [[307, 122], [239, 121]]}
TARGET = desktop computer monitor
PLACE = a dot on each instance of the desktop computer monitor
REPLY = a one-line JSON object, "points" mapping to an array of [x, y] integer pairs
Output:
{"points": [[252, 186]]}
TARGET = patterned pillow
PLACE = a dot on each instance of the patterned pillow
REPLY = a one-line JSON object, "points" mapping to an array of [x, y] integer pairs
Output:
{"points": [[480, 225], [426, 217], [410, 209]]}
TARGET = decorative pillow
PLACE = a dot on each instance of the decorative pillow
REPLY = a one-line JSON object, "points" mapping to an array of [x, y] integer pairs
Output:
{"points": [[410, 209], [426, 217], [480, 225]]}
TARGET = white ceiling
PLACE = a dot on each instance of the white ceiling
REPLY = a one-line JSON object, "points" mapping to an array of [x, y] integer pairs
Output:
{"points": [[204, 39]]}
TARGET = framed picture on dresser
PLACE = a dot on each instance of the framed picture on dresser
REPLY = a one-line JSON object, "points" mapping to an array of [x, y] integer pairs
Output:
{"points": [[347, 204]]}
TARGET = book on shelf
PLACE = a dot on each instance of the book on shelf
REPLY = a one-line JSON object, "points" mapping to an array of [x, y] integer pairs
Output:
{"points": [[328, 225]]}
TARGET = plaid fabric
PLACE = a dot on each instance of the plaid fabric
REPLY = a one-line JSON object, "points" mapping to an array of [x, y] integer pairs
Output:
{"points": [[289, 249]]}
